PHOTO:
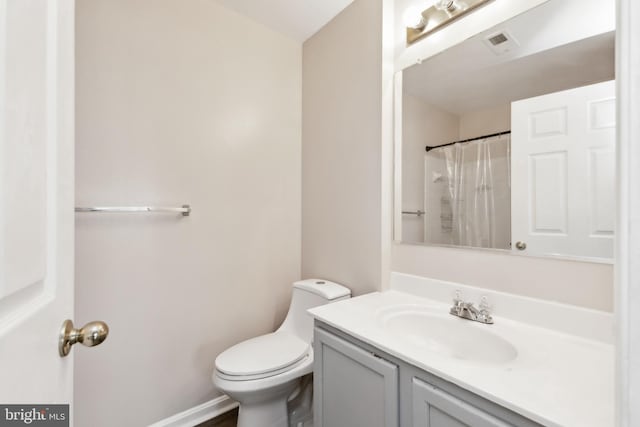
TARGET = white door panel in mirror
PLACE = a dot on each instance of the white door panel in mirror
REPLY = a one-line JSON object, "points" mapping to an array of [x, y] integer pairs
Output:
{"points": [[563, 178], [534, 158]]}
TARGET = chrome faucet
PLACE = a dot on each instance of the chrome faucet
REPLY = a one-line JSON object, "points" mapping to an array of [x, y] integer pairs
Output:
{"points": [[467, 310]]}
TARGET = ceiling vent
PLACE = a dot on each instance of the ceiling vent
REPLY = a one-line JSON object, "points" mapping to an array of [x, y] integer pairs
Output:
{"points": [[501, 42]]}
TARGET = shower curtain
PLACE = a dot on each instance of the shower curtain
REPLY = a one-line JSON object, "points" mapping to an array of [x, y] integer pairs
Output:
{"points": [[475, 203]]}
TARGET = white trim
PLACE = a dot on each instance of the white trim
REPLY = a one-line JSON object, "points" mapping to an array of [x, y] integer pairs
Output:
{"points": [[397, 158], [386, 146], [199, 414], [627, 267]]}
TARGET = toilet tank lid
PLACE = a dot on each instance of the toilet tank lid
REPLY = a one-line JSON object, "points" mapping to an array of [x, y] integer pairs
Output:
{"points": [[324, 288]]}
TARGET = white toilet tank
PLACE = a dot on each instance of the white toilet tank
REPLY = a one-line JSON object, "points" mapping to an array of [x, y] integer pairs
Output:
{"points": [[308, 294]]}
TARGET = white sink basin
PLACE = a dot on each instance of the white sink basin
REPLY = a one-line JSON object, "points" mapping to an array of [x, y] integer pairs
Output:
{"points": [[447, 335]]}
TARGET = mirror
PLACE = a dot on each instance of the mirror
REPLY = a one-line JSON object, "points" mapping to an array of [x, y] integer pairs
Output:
{"points": [[508, 139]]}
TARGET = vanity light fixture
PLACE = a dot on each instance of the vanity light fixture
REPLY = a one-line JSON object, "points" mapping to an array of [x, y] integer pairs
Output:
{"points": [[412, 18], [421, 23]]}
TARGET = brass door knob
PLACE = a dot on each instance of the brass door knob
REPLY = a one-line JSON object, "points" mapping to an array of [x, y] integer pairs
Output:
{"points": [[521, 246], [91, 334]]}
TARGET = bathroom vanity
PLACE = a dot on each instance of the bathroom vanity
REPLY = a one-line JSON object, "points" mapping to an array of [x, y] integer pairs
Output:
{"points": [[398, 358], [386, 391]]}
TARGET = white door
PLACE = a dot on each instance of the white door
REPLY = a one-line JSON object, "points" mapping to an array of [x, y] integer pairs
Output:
{"points": [[563, 172], [36, 199]]}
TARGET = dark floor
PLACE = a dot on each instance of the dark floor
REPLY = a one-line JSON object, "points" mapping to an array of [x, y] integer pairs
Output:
{"points": [[229, 419]]}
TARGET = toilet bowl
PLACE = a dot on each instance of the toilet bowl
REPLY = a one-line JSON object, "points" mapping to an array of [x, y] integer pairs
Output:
{"points": [[262, 372]]}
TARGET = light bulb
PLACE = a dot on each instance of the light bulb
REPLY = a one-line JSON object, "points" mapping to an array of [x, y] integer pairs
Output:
{"points": [[412, 17], [446, 5]]}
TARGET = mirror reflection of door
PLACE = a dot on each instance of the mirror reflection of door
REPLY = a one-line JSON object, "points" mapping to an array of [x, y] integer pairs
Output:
{"points": [[468, 159], [564, 171]]}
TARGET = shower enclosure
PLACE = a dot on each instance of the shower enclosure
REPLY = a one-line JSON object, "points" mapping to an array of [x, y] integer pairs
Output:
{"points": [[467, 187]]}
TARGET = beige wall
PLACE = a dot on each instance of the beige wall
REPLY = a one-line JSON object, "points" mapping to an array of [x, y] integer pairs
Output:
{"points": [[341, 149], [571, 282], [580, 283], [485, 121], [180, 102]]}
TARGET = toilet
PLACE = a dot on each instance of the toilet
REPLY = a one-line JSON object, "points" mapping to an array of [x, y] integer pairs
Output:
{"points": [[262, 373]]}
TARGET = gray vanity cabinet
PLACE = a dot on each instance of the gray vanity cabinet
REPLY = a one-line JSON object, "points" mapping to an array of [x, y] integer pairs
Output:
{"points": [[433, 407], [358, 385], [352, 387]]}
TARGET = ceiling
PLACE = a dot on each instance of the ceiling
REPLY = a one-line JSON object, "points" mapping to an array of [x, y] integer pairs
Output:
{"points": [[577, 64], [548, 56], [298, 19]]}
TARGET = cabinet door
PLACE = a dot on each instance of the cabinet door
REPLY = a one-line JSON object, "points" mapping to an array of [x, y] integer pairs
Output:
{"points": [[352, 387], [433, 407]]}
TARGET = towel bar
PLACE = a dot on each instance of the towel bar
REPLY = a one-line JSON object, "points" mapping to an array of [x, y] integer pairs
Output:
{"points": [[185, 210]]}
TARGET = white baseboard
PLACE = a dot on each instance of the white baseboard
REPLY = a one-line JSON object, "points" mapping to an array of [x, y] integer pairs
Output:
{"points": [[199, 414]]}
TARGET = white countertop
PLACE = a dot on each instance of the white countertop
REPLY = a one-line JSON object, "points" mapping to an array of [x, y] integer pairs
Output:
{"points": [[556, 379]]}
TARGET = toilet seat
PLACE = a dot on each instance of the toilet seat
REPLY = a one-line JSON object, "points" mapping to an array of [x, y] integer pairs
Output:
{"points": [[261, 357]]}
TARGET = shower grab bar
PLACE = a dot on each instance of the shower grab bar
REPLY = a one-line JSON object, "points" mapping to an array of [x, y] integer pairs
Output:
{"points": [[419, 213], [185, 210]]}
